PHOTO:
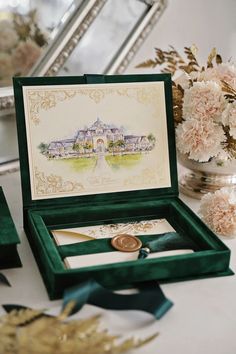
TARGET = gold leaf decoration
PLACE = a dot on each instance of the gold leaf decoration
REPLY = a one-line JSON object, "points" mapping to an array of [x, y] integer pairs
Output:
{"points": [[210, 58], [42, 99], [47, 334], [230, 92], [46, 99], [178, 94], [171, 61], [53, 184], [218, 59], [150, 63], [194, 50], [230, 144]]}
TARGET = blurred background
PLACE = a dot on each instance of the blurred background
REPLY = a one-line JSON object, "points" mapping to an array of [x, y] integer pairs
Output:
{"points": [[66, 37]]}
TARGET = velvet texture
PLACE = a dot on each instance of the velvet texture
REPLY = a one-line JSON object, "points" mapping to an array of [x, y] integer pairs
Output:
{"points": [[210, 259], [8, 237], [40, 216]]}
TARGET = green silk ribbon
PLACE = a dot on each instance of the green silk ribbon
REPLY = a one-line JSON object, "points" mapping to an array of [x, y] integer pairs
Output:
{"points": [[166, 242], [4, 280], [150, 298]]}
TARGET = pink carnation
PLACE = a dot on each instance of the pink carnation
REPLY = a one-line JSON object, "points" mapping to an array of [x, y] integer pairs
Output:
{"points": [[226, 72], [200, 139], [222, 72], [204, 100], [218, 211]]}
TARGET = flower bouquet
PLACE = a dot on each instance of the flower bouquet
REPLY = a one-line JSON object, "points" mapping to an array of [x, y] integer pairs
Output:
{"points": [[20, 45], [204, 103]]}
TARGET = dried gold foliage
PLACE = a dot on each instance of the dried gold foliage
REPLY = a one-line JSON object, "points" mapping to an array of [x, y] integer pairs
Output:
{"points": [[230, 145], [30, 332], [172, 61], [230, 92], [170, 58], [210, 58], [178, 94], [218, 59]]}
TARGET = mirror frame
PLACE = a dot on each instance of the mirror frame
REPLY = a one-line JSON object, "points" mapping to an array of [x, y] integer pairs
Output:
{"points": [[76, 26]]}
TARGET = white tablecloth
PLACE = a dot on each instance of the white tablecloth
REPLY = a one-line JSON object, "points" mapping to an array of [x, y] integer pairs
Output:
{"points": [[202, 320]]}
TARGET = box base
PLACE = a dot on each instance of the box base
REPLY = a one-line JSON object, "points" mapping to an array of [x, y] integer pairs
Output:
{"points": [[9, 257]]}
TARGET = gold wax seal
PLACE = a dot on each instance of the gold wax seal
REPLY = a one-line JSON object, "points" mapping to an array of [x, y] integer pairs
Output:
{"points": [[126, 243]]}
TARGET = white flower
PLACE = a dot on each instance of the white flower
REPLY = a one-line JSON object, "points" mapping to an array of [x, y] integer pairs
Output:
{"points": [[229, 118], [218, 211], [204, 100], [226, 72], [183, 80], [200, 139], [24, 56], [8, 36], [222, 72]]}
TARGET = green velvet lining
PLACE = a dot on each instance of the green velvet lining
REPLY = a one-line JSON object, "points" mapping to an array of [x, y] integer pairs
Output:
{"points": [[93, 214], [212, 256], [47, 243]]}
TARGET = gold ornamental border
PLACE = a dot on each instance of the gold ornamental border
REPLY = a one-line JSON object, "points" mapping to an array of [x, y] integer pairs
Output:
{"points": [[46, 99], [43, 99], [53, 184]]}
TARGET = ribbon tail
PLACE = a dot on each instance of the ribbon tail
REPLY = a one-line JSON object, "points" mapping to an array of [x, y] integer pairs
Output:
{"points": [[150, 298], [4, 280]]}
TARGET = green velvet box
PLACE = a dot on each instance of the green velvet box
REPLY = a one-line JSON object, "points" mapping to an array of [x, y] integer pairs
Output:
{"points": [[9, 239], [74, 174]]}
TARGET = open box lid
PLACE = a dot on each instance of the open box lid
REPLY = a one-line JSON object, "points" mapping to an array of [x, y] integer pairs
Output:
{"points": [[95, 138]]}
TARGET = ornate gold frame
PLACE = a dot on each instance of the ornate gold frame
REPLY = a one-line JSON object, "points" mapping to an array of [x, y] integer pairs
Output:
{"points": [[74, 29]]}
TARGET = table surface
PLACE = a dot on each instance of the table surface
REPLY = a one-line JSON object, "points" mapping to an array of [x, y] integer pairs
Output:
{"points": [[202, 320]]}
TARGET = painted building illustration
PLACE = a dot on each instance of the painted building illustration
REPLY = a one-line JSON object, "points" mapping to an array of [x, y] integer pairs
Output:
{"points": [[100, 138]]}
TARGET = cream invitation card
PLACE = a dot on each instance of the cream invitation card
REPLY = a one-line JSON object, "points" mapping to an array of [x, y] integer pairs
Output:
{"points": [[92, 139], [79, 234], [115, 257], [95, 232]]}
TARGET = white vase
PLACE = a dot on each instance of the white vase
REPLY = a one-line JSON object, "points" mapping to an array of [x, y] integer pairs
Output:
{"points": [[198, 178]]}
